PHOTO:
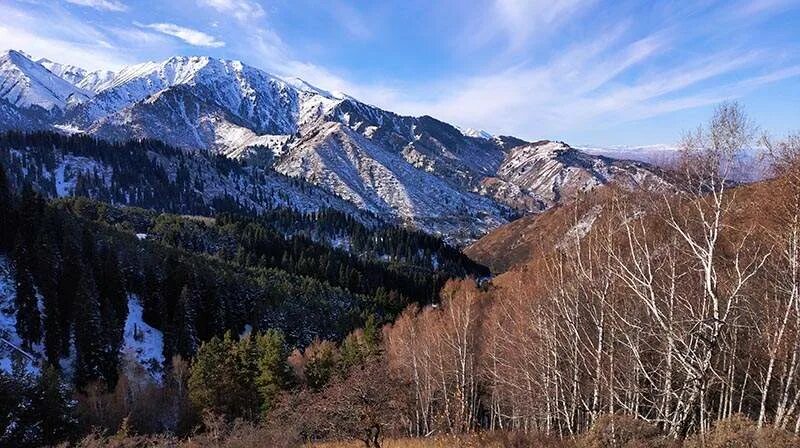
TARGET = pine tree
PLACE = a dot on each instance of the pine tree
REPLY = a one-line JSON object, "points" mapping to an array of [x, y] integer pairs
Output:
{"points": [[90, 361], [28, 325], [152, 300], [113, 305], [54, 407], [210, 379], [372, 335], [320, 363], [186, 340], [68, 283], [244, 399], [7, 212], [34, 410], [273, 370], [47, 273]]}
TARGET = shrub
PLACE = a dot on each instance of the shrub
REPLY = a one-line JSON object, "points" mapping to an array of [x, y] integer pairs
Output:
{"points": [[623, 431], [740, 432]]}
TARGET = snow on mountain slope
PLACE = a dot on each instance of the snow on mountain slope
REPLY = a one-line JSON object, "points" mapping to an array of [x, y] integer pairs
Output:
{"points": [[200, 102], [366, 174], [10, 342], [477, 133], [69, 73], [416, 169], [57, 173], [142, 344], [265, 103], [553, 171], [92, 81], [425, 142], [25, 83], [21, 119]]}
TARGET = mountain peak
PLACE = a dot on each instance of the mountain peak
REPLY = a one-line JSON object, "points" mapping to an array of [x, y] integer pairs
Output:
{"points": [[477, 133], [419, 170], [25, 83], [74, 75], [11, 53], [304, 86]]}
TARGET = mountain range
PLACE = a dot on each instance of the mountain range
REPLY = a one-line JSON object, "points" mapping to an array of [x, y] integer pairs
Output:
{"points": [[417, 171]]}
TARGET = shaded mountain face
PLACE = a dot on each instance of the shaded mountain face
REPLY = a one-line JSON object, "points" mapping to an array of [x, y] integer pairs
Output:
{"points": [[415, 170], [514, 245]]}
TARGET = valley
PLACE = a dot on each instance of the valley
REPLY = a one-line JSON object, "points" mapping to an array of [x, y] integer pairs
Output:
{"points": [[199, 252]]}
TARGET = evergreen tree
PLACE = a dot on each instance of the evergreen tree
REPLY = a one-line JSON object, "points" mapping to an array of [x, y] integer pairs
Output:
{"points": [[28, 325], [7, 212], [320, 363], [68, 283], [186, 340], [211, 380], [47, 273], [34, 410], [53, 406], [91, 359], [273, 370]]}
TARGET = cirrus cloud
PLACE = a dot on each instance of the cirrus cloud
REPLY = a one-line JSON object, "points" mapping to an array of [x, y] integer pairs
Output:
{"points": [[242, 10], [103, 5], [188, 35]]}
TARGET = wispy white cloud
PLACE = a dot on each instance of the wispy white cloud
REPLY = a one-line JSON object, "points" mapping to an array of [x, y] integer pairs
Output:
{"points": [[103, 5], [590, 85], [518, 24], [350, 19], [522, 19], [188, 35], [57, 35], [750, 8], [242, 10], [135, 37]]}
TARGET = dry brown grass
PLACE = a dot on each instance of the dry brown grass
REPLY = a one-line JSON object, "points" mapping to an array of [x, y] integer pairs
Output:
{"points": [[483, 440]]}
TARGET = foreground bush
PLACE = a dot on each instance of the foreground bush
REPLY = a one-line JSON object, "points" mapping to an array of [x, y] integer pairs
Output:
{"points": [[623, 431], [741, 432], [497, 439]]}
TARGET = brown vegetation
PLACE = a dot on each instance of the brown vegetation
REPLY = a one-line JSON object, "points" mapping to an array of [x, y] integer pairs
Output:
{"points": [[678, 310], [666, 321]]}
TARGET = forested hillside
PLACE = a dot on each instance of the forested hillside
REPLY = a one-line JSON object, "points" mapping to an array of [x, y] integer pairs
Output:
{"points": [[156, 176], [85, 285]]}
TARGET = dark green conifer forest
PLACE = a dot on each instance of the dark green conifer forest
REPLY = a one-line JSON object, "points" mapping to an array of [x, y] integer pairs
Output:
{"points": [[232, 289]]}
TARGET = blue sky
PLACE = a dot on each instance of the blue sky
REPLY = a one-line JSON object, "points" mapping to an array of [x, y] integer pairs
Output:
{"points": [[586, 72]]}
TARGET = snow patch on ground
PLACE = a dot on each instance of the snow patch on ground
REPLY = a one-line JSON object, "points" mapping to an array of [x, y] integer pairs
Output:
{"points": [[10, 343], [142, 342], [68, 129], [582, 227], [70, 167]]}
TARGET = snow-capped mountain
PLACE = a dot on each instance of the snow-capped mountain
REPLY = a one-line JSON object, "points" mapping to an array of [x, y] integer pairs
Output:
{"points": [[417, 170], [27, 84], [480, 133], [553, 171], [70, 73]]}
